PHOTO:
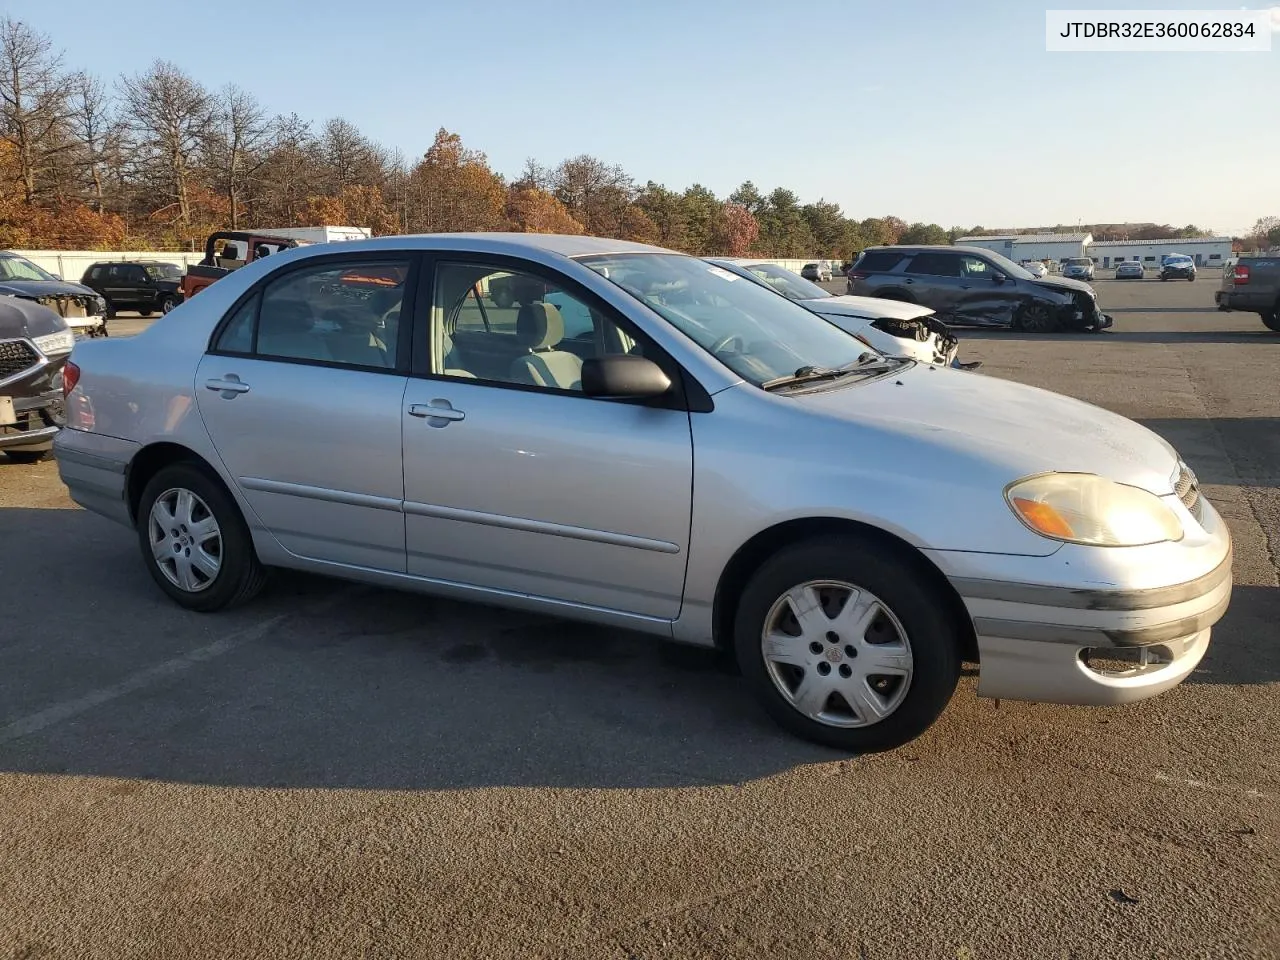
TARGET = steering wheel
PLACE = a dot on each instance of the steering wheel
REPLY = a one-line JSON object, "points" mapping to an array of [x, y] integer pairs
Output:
{"points": [[724, 342]]}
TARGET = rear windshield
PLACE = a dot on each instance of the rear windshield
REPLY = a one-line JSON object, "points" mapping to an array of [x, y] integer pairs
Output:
{"points": [[1079, 261]]}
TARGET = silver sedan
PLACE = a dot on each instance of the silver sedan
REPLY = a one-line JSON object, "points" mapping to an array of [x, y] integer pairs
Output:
{"points": [[1130, 270], [629, 436]]}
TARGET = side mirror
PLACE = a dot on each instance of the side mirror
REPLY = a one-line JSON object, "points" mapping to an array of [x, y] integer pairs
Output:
{"points": [[623, 376], [998, 277]]}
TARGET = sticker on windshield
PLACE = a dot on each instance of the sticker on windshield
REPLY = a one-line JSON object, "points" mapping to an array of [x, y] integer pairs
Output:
{"points": [[722, 273]]}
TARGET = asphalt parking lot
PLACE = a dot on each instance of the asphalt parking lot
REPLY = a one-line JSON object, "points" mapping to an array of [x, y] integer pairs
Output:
{"points": [[340, 771]]}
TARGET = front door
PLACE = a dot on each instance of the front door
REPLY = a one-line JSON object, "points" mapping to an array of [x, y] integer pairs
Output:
{"points": [[514, 479], [987, 295], [302, 396]]}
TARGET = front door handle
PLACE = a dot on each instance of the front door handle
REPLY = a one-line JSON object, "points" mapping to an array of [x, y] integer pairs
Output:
{"points": [[228, 386], [437, 412]]}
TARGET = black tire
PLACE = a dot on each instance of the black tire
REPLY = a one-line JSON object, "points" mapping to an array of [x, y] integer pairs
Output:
{"points": [[110, 312], [929, 626], [146, 313], [29, 456], [1272, 320], [240, 575], [167, 304], [1191, 278], [1036, 317]]}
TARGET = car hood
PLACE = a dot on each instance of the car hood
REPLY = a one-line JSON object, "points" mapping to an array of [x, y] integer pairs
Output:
{"points": [[22, 318], [1064, 284], [874, 307], [1007, 430], [44, 288]]}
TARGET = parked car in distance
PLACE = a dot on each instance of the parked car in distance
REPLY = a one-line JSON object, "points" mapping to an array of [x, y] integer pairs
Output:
{"points": [[896, 329], [34, 344], [630, 476], [228, 250], [1253, 284], [1036, 268], [817, 272], [1130, 270], [1177, 266], [975, 287], [1077, 268], [148, 286], [82, 308]]}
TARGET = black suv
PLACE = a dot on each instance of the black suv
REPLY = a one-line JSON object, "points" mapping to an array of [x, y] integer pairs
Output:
{"points": [[148, 286], [973, 287], [34, 345]]}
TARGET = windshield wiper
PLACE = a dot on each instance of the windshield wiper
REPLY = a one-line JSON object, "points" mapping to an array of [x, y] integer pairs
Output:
{"points": [[811, 373]]}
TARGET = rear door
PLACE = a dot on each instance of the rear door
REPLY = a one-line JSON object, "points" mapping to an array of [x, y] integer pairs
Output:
{"points": [[933, 278], [301, 395]]}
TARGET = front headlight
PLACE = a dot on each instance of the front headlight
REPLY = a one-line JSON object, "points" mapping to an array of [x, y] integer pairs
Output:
{"points": [[1083, 508]]}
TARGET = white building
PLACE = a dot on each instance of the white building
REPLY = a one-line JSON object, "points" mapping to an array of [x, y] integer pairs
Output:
{"points": [[1206, 251], [1033, 246]]}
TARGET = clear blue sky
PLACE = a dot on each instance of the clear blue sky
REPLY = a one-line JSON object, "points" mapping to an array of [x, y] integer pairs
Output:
{"points": [[940, 111]]}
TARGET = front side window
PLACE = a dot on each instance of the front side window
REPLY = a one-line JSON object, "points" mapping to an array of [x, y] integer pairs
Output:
{"points": [[511, 327], [757, 334], [340, 313]]}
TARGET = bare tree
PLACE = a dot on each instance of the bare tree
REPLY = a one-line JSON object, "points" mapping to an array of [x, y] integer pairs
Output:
{"points": [[96, 133], [350, 160], [33, 101], [168, 116], [291, 171], [236, 145]]}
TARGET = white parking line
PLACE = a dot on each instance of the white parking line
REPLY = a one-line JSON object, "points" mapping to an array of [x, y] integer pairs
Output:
{"points": [[49, 716]]}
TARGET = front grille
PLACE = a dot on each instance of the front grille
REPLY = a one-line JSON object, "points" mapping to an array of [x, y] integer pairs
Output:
{"points": [[16, 356], [1188, 490]]}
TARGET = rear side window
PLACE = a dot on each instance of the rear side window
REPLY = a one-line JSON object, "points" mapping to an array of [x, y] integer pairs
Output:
{"points": [[935, 265], [878, 261]]}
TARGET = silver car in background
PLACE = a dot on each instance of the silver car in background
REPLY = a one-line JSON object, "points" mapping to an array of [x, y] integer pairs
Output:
{"points": [[1077, 268], [647, 441], [1130, 270]]}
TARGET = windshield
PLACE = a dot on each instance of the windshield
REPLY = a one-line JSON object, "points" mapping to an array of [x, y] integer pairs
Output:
{"points": [[16, 268], [163, 271], [1177, 258], [757, 334], [790, 285], [1079, 262]]}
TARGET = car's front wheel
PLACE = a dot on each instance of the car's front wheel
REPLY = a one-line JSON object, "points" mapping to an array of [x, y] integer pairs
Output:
{"points": [[847, 644], [1037, 317], [167, 304], [195, 542]]}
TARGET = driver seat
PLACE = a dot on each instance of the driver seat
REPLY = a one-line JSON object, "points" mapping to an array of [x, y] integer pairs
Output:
{"points": [[540, 328]]}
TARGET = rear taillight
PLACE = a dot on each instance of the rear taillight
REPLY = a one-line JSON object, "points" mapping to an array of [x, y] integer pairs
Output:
{"points": [[1240, 275], [70, 377]]}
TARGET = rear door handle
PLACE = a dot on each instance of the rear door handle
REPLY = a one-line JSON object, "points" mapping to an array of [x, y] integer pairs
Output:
{"points": [[228, 386], [436, 410]]}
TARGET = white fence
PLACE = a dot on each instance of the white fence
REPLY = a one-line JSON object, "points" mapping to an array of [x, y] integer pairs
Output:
{"points": [[71, 264]]}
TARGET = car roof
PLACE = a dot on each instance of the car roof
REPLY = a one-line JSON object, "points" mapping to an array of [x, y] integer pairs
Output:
{"points": [[928, 248], [565, 245]]}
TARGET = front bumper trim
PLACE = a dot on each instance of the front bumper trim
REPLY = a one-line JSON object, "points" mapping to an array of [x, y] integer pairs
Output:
{"points": [[1100, 636], [1090, 599]]}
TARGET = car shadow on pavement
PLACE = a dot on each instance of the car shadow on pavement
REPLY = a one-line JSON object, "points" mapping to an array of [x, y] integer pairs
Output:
{"points": [[319, 683], [1241, 651], [1225, 451]]}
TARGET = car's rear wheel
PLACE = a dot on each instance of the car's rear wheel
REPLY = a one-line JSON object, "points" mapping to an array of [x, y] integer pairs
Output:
{"points": [[195, 542], [146, 313], [1272, 320], [1037, 317], [847, 644]]}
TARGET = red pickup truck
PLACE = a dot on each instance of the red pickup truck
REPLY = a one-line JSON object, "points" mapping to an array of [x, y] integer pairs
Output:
{"points": [[228, 250]]}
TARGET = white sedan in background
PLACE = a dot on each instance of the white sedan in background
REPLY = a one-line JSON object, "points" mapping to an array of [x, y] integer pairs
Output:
{"points": [[1036, 268], [892, 327]]}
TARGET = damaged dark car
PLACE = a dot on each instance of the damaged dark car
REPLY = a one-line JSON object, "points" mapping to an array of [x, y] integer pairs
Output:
{"points": [[83, 309], [35, 343], [973, 287]]}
